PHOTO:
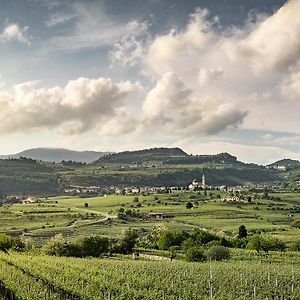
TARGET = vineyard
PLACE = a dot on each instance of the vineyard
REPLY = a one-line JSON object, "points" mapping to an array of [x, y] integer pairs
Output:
{"points": [[43, 277]]}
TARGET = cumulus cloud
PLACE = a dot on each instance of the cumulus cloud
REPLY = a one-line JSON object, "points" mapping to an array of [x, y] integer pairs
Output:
{"points": [[173, 106], [130, 49], [290, 87], [208, 76], [274, 44], [13, 32], [81, 105]]}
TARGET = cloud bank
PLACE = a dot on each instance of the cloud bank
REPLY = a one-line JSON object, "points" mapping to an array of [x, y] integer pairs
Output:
{"points": [[81, 105], [198, 80]]}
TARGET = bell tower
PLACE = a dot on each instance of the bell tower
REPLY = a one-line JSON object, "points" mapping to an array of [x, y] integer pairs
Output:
{"points": [[203, 183]]}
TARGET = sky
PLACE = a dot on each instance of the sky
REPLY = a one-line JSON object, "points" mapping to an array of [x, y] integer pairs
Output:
{"points": [[113, 75]]}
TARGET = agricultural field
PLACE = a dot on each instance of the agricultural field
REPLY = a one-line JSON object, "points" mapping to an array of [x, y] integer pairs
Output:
{"points": [[72, 278], [75, 216]]}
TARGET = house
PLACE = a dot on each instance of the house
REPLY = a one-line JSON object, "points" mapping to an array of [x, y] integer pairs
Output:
{"points": [[156, 215], [29, 200]]}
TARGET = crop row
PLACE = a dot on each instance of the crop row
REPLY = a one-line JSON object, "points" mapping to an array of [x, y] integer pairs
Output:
{"points": [[116, 280], [17, 284]]}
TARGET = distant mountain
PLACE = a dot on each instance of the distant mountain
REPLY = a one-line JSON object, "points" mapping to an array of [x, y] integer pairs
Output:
{"points": [[286, 163], [58, 155], [143, 156]]}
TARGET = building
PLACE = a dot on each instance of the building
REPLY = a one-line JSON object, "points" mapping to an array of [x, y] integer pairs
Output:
{"points": [[156, 215], [203, 182], [29, 200]]}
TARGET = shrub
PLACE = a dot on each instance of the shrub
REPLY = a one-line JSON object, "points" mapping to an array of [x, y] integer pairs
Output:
{"points": [[295, 246], [7, 242], [195, 254], [217, 253], [168, 239], [94, 246], [126, 243], [189, 205]]}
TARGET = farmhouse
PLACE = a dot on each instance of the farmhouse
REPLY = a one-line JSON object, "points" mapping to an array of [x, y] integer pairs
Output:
{"points": [[155, 215], [29, 200]]}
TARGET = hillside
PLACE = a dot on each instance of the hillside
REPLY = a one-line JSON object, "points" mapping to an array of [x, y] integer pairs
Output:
{"points": [[141, 156], [149, 167], [26, 176], [287, 163], [57, 155]]}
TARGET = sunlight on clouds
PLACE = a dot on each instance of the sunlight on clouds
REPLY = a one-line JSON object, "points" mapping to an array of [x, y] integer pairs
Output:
{"points": [[13, 32]]}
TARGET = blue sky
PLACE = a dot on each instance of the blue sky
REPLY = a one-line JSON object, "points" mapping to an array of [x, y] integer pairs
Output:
{"points": [[208, 76]]}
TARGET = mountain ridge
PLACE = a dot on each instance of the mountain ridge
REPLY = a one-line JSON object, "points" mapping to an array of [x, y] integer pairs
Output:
{"points": [[57, 155]]}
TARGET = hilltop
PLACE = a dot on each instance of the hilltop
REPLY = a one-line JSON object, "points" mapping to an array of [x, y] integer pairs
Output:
{"points": [[141, 156], [287, 163], [148, 167], [57, 155]]}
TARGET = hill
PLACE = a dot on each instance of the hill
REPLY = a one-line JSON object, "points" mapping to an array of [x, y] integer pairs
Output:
{"points": [[149, 167], [287, 163], [142, 156], [57, 155], [27, 176]]}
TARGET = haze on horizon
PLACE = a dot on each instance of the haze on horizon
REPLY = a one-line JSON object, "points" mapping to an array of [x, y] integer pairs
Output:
{"points": [[205, 76]]}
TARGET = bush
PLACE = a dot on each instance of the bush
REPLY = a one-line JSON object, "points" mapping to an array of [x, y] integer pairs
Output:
{"points": [[94, 246], [189, 205], [295, 246], [217, 253], [168, 239], [7, 242], [203, 237], [195, 254], [127, 242]]}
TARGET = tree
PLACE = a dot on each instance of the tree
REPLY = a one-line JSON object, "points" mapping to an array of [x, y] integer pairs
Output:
{"points": [[295, 246], [243, 233], [265, 243], [203, 237], [217, 253], [168, 239], [195, 254], [189, 205], [56, 246], [127, 242], [86, 204], [5, 242], [94, 246]]}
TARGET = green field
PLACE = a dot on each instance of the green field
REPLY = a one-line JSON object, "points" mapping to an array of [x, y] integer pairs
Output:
{"points": [[69, 278], [68, 215]]}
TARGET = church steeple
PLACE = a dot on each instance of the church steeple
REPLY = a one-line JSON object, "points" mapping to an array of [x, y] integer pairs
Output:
{"points": [[203, 183]]}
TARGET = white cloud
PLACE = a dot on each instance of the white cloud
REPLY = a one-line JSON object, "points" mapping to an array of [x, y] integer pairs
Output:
{"points": [[13, 32], [130, 49], [173, 106], [88, 27], [290, 87], [59, 18], [81, 105], [274, 44], [208, 76]]}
